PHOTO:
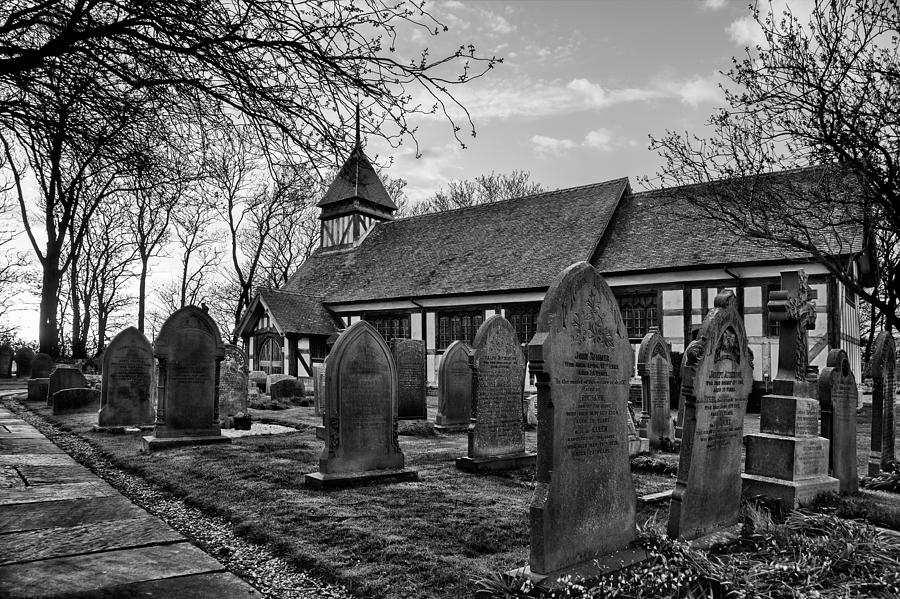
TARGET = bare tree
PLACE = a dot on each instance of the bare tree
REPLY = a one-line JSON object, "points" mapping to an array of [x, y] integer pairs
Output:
{"points": [[821, 92], [198, 238], [13, 265], [484, 189], [296, 232]]}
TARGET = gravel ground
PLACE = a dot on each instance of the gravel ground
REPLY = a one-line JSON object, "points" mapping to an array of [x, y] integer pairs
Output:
{"points": [[271, 575]]}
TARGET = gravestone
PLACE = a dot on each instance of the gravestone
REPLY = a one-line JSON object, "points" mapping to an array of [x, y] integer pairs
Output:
{"points": [[258, 378], [233, 397], [882, 370], [361, 442], [497, 432], [126, 381], [23, 362], [289, 389], [454, 388], [689, 360], [275, 378], [65, 376], [189, 351], [583, 507], [707, 495], [838, 396], [75, 400], [318, 389], [39, 390], [636, 443], [654, 366], [787, 461], [42, 366], [409, 356], [6, 359]]}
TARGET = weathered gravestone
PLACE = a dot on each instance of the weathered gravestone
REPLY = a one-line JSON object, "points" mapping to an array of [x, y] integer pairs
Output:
{"points": [[361, 443], [454, 388], [23, 362], [289, 389], [258, 378], [42, 366], [6, 359], [39, 389], [232, 384], [689, 361], [787, 461], [707, 495], [276, 378], [75, 399], [409, 356], [126, 380], [654, 366], [188, 351], [837, 396], [882, 370], [65, 376], [496, 432], [583, 507], [318, 389]]}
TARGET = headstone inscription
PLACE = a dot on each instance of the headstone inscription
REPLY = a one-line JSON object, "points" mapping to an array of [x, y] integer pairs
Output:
{"points": [[126, 380], [318, 388], [409, 356], [497, 432], [689, 361], [42, 366], [188, 351], [787, 461], [837, 396], [654, 366], [65, 376], [23, 362], [233, 384], [361, 443], [454, 388], [882, 370], [584, 503], [6, 359], [707, 495]]}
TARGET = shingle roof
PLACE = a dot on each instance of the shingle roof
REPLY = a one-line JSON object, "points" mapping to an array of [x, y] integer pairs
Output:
{"points": [[299, 312], [661, 230], [514, 244], [357, 179]]}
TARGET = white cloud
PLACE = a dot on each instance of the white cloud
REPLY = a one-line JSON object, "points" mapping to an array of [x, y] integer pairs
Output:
{"points": [[551, 145], [746, 32], [699, 90], [713, 4], [599, 139], [496, 23]]}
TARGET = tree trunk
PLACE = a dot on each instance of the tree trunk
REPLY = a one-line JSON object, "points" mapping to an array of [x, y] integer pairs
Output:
{"points": [[48, 335], [142, 292]]}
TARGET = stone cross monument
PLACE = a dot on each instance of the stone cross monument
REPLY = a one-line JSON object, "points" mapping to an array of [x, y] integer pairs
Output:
{"points": [[794, 307]]}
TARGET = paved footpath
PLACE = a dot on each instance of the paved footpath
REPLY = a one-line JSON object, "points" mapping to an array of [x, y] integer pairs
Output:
{"points": [[64, 532]]}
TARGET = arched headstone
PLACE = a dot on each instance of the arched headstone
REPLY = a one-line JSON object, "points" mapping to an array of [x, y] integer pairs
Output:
{"points": [[584, 504], [188, 351], [233, 383], [42, 366], [838, 396], [409, 356], [654, 366], [6, 359], [361, 441], [707, 495], [23, 362], [455, 388], [882, 370], [127, 374]]}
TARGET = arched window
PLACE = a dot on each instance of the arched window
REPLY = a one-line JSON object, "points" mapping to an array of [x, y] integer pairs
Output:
{"points": [[270, 356], [639, 313]]}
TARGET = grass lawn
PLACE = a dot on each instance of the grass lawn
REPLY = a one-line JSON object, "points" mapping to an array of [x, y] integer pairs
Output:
{"points": [[424, 539]]}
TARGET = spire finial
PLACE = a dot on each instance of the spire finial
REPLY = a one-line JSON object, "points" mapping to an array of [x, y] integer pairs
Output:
{"points": [[357, 124]]}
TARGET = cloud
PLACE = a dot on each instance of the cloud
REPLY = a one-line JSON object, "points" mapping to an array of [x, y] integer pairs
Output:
{"points": [[497, 24], [713, 4], [599, 139], [746, 32], [550, 145], [699, 90]]}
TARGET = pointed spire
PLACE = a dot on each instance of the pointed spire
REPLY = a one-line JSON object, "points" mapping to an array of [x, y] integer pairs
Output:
{"points": [[357, 125]]}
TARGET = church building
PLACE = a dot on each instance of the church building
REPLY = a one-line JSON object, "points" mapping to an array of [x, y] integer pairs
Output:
{"points": [[437, 277]]}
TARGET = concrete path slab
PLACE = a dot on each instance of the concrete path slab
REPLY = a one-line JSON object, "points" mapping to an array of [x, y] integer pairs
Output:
{"points": [[64, 532]]}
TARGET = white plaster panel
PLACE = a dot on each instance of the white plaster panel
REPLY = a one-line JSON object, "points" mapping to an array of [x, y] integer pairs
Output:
{"points": [[753, 323], [303, 344], [672, 299], [696, 298], [415, 325], [430, 333], [489, 313], [679, 347], [673, 327], [752, 297], [696, 319], [431, 369], [711, 294]]}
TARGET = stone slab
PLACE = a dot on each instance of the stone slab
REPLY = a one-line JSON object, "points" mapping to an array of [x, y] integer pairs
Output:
{"points": [[793, 416], [323, 481], [94, 537], [156, 443], [41, 493], [85, 573], [787, 458], [586, 571], [49, 475], [75, 400], [497, 463], [790, 494], [195, 586], [14, 445], [454, 388], [37, 459], [321, 434], [654, 497], [66, 512], [456, 428]]}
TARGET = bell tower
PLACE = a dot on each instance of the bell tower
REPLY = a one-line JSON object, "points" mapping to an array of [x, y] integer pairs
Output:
{"points": [[355, 201]]}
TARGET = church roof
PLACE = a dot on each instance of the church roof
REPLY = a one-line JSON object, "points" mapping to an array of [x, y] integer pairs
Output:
{"points": [[296, 312], [357, 179], [515, 244], [660, 229]]}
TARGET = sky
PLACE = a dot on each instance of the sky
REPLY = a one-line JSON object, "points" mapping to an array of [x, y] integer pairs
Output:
{"points": [[582, 85]]}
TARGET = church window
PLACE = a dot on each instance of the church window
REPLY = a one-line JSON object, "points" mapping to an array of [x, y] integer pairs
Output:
{"points": [[458, 326], [270, 356], [639, 313], [524, 319], [391, 326]]}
